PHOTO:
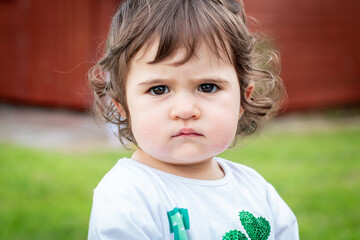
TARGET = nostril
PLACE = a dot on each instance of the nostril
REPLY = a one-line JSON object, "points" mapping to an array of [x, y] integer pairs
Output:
{"points": [[191, 112]]}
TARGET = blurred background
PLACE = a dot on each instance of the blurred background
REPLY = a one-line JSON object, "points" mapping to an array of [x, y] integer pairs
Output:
{"points": [[47, 47], [52, 154]]}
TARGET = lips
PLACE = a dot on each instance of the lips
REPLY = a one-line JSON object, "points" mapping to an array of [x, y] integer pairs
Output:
{"points": [[187, 132]]}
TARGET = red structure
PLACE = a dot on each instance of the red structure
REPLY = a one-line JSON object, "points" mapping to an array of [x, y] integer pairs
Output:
{"points": [[46, 48], [319, 42]]}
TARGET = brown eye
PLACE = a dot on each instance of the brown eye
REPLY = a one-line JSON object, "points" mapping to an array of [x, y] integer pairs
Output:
{"points": [[159, 90], [208, 88]]}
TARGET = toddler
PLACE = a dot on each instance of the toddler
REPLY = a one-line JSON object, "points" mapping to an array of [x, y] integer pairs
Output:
{"points": [[182, 80]]}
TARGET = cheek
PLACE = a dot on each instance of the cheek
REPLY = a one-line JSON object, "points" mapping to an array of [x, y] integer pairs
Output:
{"points": [[225, 123], [146, 125], [223, 137]]}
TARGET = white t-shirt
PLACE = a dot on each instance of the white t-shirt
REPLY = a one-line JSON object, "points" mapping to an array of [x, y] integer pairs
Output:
{"points": [[135, 201]]}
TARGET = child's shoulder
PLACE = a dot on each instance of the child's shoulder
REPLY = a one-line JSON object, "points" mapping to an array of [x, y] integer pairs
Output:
{"points": [[124, 176], [125, 199], [128, 184], [240, 170]]}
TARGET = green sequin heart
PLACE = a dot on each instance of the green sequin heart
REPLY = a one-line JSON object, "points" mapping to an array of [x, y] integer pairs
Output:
{"points": [[234, 235], [256, 228]]}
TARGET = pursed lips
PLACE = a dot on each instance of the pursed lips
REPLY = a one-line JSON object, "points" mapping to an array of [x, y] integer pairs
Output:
{"points": [[187, 132]]}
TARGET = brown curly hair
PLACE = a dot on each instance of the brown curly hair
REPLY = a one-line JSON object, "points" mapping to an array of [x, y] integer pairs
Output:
{"points": [[219, 24]]}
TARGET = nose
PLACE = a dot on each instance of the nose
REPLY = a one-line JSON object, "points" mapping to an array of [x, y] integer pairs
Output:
{"points": [[185, 106]]}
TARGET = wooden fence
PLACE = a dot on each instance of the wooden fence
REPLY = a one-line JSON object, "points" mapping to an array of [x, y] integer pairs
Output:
{"points": [[46, 48]]}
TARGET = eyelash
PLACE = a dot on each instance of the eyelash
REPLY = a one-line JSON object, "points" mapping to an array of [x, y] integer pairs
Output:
{"points": [[164, 89]]}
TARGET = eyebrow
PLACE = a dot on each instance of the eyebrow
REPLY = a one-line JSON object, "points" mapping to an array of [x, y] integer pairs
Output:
{"points": [[155, 81], [160, 81], [213, 80]]}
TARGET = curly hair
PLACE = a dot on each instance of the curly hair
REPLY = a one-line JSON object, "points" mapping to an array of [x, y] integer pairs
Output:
{"points": [[219, 24]]}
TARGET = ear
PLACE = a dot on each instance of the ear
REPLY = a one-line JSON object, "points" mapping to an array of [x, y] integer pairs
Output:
{"points": [[248, 94], [119, 108], [249, 90]]}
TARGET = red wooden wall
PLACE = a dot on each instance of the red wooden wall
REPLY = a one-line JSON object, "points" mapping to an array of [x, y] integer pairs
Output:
{"points": [[46, 48], [319, 42]]}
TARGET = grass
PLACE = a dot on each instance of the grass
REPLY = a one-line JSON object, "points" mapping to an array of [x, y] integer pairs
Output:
{"points": [[48, 195]]}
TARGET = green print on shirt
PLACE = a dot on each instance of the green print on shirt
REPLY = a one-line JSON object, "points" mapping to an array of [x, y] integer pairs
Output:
{"points": [[256, 228], [179, 221]]}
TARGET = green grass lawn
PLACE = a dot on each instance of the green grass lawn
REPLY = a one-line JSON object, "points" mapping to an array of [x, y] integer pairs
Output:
{"points": [[48, 195]]}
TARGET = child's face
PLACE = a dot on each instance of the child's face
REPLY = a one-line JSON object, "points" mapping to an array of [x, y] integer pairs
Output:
{"points": [[183, 114]]}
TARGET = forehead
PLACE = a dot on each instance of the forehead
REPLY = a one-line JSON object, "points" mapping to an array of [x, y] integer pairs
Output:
{"points": [[149, 53], [204, 64]]}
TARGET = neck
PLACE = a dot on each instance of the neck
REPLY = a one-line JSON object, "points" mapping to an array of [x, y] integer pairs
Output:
{"points": [[207, 169]]}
